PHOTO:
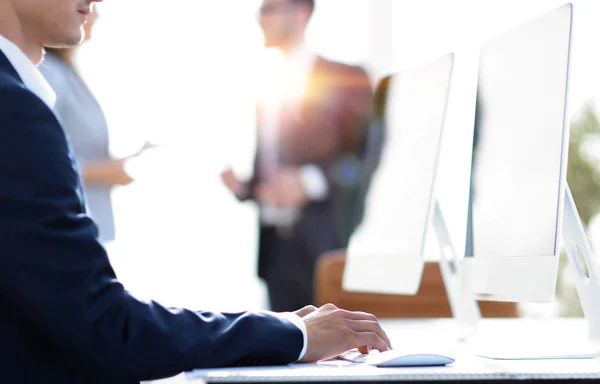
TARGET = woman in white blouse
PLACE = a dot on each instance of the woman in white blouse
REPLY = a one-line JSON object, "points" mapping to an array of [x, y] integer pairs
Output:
{"points": [[84, 123]]}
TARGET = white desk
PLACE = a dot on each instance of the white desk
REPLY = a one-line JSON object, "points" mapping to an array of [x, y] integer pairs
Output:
{"points": [[442, 333]]}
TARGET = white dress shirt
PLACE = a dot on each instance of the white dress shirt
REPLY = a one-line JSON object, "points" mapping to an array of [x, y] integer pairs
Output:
{"points": [[287, 82], [35, 82], [33, 79]]}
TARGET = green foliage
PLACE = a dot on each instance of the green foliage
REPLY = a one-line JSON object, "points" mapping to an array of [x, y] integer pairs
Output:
{"points": [[583, 176], [583, 173]]}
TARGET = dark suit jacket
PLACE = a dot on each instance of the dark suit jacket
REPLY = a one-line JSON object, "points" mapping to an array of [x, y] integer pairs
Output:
{"points": [[375, 141], [64, 317], [328, 129]]}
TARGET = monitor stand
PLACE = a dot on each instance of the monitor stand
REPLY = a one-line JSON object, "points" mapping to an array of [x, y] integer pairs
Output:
{"points": [[465, 309], [575, 242]]}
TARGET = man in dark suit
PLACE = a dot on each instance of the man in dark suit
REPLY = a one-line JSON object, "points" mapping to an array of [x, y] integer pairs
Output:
{"points": [[64, 317], [308, 168]]}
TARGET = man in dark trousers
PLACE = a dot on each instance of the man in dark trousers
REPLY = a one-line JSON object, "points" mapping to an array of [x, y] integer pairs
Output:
{"points": [[308, 167], [64, 317]]}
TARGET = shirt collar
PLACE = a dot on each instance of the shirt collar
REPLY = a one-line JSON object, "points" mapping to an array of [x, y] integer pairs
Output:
{"points": [[29, 74]]}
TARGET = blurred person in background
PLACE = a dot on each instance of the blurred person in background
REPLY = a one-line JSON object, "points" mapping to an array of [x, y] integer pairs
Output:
{"points": [[308, 167], [85, 124]]}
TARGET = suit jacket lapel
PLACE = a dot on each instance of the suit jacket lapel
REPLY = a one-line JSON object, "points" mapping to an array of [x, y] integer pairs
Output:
{"points": [[6, 67]]}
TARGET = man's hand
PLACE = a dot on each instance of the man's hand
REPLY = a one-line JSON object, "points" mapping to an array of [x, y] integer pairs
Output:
{"points": [[305, 311], [332, 331], [310, 309], [110, 172], [284, 189], [232, 182], [115, 173]]}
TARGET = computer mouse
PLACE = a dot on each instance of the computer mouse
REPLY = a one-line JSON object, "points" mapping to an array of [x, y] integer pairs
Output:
{"points": [[394, 358]]}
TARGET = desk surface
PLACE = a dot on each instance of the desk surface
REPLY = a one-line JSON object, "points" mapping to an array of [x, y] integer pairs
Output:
{"points": [[441, 335]]}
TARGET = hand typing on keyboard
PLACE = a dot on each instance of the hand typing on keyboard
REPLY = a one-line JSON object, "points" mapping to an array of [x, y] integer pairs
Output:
{"points": [[331, 331]]}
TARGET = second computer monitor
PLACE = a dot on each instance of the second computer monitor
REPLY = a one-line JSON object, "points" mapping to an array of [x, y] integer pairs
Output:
{"points": [[385, 254], [519, 161]]}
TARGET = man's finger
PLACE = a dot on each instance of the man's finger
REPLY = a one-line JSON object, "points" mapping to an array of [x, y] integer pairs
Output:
{"points": [[352, 315], [364, 349], [372, 339], [370, 326], [306, 310], [329, 308]]}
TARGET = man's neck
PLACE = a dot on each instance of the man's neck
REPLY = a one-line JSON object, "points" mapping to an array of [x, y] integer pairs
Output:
{"points": [[290, 47], [11, 29]]}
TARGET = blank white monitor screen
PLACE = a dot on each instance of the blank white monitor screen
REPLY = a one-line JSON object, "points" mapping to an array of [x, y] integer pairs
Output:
{"points": [[519, 152]]}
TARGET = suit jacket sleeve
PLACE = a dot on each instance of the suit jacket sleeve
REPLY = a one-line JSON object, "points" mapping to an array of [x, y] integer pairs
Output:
{"points": [[56, 277]]}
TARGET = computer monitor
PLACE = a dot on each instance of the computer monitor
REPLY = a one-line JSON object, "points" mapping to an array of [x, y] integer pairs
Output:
{"points": [[518, 175], [521, 212], [385, 254]]}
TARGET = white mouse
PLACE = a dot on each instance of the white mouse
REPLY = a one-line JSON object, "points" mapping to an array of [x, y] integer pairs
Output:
{"points": [[397, 358], [394, 358]]}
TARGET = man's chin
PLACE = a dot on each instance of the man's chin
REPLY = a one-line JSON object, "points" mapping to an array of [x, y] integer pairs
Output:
{"points": [[66, 41]]}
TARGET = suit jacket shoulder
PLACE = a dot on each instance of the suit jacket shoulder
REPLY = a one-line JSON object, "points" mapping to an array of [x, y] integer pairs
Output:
{"points": [[343, 76]]}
